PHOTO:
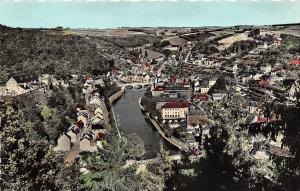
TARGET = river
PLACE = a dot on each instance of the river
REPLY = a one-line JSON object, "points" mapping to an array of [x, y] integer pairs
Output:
{"points": [[130, 120]]}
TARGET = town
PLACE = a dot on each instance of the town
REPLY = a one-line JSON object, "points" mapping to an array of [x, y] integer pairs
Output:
{"points": [[197, 83]]}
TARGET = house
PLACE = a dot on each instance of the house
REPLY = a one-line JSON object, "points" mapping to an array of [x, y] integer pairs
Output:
{"points": [[267, 68], [99, 82], [232, 68], [203, 62], [246, 78], [257, 76], [264, 83], [82, 115], [157, 90], [98, 124], [85, 143], [45, 79], [211, 82], [48, 79], [202, 87], [179, 89], [293, 90], [276, 78], [218, 96], [200, 97], [171, 48], [96, 100], [146, 78], [63, 143], [98, 110], [14, 88], [89, 82], [175, 110], [295, 62], [74, 134], [168, 97], [18, 85], [59, 82], [195, 119], [172, 123], [277, 41], [253, 107]]}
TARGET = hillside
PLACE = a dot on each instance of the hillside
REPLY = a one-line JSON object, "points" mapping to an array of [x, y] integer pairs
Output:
{"points": [[50, 51]]}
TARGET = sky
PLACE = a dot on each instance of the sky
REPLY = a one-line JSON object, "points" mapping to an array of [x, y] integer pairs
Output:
{"points": [[146, 13]]}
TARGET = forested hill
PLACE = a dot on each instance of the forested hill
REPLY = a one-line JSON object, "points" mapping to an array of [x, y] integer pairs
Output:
{"points": [[37, 51]]}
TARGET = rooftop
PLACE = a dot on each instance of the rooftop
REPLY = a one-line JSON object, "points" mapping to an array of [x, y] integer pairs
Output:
{"points": [[177, 104], [295, 62]]}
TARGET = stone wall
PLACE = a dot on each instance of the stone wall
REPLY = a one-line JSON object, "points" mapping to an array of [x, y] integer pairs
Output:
{"points": [[116, 95]]}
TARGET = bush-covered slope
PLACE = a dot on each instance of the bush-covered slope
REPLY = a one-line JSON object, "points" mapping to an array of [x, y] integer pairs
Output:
{"points": [[49, 51]]}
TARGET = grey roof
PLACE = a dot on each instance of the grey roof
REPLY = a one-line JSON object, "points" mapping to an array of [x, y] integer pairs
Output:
{"points": [[196, 112], [165, 97], [26, 78], [176, 88], [88, 135]]}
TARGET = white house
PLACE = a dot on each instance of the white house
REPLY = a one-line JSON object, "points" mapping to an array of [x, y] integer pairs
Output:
{"points": [[218, 96], [266, 68], [96, 100], [63, 143], [175, 110], [86, 142]]}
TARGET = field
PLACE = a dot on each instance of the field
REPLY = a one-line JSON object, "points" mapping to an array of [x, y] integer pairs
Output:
{"points": [[103, 32], [176, 40], [227, 42]]}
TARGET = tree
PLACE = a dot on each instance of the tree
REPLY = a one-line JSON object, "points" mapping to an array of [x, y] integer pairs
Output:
{"points": [[27, 161], [68, 179], [157, 172], [106, 168], [219, 86], [254, 33], [290, 167], [137, 146]]}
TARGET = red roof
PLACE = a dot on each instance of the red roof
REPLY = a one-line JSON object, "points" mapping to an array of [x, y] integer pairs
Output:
{"points": [[185, 82], [176, 104], [114, 71], [100, 136], [264, 83], [158, 88], [172, 80], [202, 97], [262, 120], [196, 152], [88, 77], [296, 62], [80, 124]]}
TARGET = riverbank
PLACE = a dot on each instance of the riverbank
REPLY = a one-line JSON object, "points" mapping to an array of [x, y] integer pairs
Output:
{"points": [[115, 96], [111, 99], [131, 120], [181, 146]]}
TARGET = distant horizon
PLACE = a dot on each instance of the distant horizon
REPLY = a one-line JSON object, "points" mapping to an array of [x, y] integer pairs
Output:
{"points": [[155, 14], [137, 27]]}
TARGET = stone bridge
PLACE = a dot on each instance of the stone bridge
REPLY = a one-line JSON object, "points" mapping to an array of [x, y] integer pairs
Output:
{"points": [[133, 84]]}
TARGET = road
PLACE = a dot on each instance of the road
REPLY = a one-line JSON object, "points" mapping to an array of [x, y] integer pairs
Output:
{"points": [[71, 155]]}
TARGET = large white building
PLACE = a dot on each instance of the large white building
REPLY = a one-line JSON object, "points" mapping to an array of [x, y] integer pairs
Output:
{"points": [[175, 110]]}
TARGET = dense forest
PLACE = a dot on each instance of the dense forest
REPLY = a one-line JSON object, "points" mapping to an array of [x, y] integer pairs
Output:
{"points": [[132, 41], [27, 51]]}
